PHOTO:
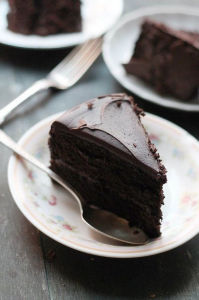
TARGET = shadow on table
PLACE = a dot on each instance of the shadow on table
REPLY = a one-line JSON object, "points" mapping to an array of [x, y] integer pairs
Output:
{"points": [[168, 275], [32, 59], [27, 66]]}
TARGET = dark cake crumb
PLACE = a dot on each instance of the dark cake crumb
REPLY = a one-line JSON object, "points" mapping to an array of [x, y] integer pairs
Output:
{"points": [[113, 96], [90, 105], [139, 111], [119, 103], [50, 256], [101, 97]]}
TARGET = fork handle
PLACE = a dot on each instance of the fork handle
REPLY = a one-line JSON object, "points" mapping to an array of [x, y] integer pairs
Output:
{"points": [[38, 86]]}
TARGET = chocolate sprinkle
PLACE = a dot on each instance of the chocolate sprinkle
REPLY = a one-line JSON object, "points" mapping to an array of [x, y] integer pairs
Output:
{"points": [[50, 256], [90, 105]]}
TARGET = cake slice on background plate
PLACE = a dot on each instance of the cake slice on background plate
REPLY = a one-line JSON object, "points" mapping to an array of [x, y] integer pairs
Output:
{"points": [[167, 59], [44, 17], [101, 148]]}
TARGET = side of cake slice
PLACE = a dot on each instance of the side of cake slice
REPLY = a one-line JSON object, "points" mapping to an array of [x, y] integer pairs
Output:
{"points": [[167, 59], [101, 148], [44, 17]]}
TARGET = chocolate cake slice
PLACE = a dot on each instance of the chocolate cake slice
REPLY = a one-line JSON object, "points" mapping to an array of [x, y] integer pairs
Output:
{"points": [[44, 17], [101, 148], [167, 59]]}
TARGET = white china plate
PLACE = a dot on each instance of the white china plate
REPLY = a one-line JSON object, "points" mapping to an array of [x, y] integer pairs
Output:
{"points": [[53, 211], [94, 24], [119, 44]]}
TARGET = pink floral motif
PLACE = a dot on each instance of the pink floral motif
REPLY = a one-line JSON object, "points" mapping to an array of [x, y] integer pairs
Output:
{"points": [[158, 239], [53, 200], [53, 222], [186, 199], [64, 224], [36, 204], [154, 137], [67, 227], [188, 219], [31, 175]]}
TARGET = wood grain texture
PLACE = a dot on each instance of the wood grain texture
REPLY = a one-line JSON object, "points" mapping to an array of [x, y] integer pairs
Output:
{"points": [[21, 260], [24, 273], [171, 275]]}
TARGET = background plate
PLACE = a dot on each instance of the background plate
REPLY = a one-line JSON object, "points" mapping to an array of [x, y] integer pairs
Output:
{"points": [[94, 25], [53, 211], [120, 41]]}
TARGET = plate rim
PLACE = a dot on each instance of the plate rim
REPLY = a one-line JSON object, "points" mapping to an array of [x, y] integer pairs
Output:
{"points": [[89, 250], [138, 13], [82, 39]]}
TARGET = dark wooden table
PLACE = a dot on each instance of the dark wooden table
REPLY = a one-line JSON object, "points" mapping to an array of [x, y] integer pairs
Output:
{"points": [[25, 273]]}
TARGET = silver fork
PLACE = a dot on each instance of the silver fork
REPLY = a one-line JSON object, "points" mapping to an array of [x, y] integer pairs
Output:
{"points": [[63, 76]]}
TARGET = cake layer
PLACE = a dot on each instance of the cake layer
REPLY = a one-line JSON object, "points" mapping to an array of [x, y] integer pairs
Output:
{"points": [[100, 181], [83, 155], [103, 151], [44, 17], [167, 59], [113, 122]]}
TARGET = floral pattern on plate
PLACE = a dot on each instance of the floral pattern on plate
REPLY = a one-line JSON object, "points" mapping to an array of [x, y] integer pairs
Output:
{"points": [[53, 210]]}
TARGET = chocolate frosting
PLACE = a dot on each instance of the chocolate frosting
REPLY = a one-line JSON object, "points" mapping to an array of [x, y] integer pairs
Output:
{"points": [[168, 59], [113, 122]]}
